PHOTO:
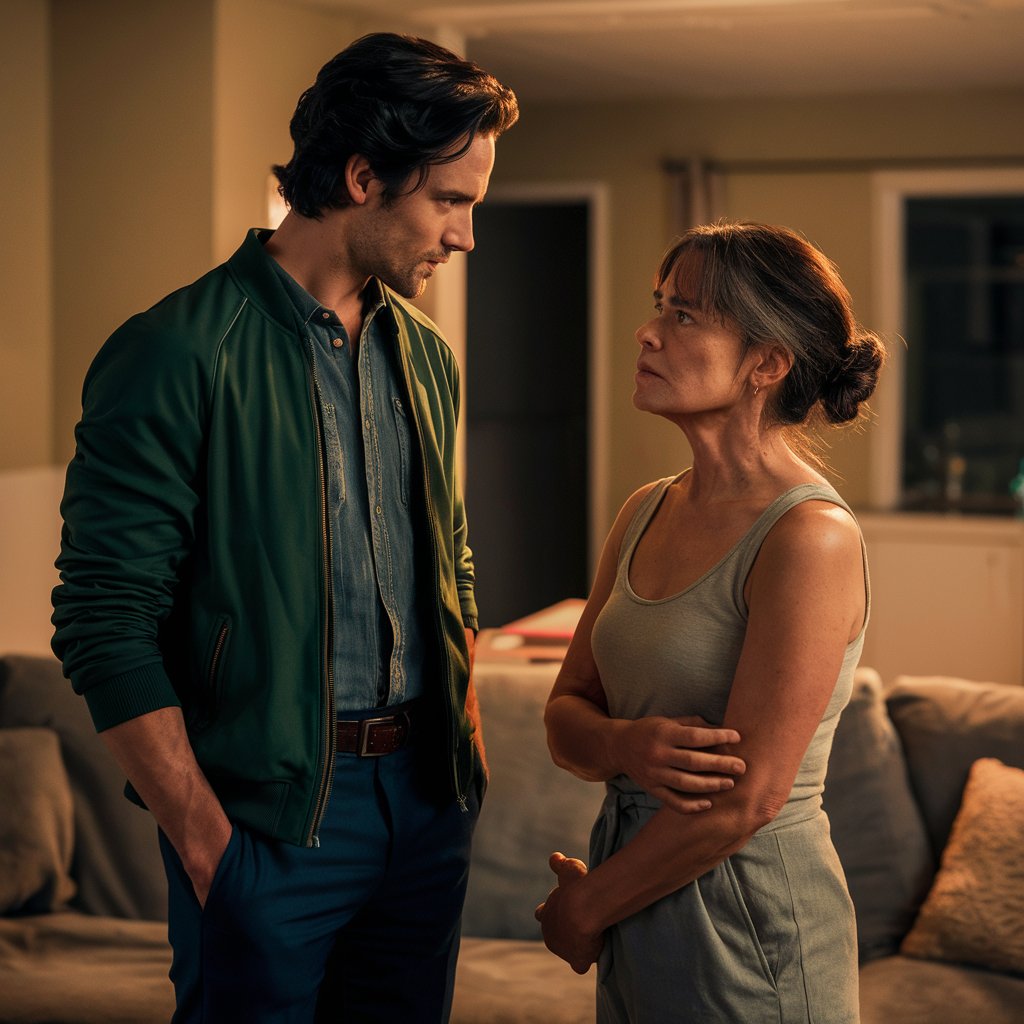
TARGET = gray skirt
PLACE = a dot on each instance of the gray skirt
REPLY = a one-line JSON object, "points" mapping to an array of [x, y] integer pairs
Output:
{"points": [[766, 937]]}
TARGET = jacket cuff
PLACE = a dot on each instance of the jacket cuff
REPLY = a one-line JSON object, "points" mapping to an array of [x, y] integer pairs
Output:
{"points": [[129, 695]]}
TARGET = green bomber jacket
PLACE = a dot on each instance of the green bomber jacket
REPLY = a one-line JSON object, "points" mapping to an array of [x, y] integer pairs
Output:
{"points": [[195, 560]]}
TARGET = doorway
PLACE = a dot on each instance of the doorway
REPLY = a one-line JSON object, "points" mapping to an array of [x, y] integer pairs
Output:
{"points": [[530, 372]]}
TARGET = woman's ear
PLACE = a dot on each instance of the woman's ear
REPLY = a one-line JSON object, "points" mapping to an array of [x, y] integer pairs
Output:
{"points": [[359, 179], [771, 366]]}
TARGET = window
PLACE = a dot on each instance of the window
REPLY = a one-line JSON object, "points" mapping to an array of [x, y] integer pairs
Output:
{"points": [[949, 297], [963, 437]]}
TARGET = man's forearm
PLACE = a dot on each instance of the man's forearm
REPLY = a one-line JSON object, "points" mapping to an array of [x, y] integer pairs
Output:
{"points": [[153, 750]]}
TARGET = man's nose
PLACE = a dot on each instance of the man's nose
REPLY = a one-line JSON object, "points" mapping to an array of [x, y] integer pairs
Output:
{"points": [[459, 235]]}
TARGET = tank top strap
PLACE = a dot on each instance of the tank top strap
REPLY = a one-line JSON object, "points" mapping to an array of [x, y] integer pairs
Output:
{"points": [[748, 548], [641, 517]]}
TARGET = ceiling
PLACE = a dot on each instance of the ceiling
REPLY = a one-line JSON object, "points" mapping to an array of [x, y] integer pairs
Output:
{"points": [[577, 49]]}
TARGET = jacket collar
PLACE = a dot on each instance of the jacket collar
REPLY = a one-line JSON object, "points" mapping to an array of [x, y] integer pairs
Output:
{"points": [[250, 267]]}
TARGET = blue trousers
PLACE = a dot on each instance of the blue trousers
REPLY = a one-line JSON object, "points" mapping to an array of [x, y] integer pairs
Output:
{"points": [[363, 928]]}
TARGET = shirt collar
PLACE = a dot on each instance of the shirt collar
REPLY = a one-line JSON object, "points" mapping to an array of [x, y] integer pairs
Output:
{"points": [[310, 310], [305, 304]]}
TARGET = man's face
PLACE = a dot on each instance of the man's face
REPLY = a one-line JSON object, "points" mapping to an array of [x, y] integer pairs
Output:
{"points": [[404, 241]]}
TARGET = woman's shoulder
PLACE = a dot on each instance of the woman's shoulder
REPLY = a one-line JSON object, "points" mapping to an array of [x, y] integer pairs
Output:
{"points": [[816, 527]]}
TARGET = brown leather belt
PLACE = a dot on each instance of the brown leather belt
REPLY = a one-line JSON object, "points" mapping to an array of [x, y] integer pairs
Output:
{"points": [[374, 737]]}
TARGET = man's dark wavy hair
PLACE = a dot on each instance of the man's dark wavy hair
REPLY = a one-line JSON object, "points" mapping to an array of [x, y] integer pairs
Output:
{"points": [[403, 103]]}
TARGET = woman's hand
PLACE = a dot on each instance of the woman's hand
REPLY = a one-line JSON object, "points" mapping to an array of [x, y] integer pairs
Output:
{"points": [[564, 933], [664, 757]]}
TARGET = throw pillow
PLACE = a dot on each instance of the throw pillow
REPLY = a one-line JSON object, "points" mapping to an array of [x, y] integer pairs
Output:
{"points": [[975, 909], [117, 861], [36, 823], [945, 725]]}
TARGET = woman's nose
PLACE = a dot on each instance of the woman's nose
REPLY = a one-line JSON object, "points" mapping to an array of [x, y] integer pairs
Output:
{"points": [[645, 335]]}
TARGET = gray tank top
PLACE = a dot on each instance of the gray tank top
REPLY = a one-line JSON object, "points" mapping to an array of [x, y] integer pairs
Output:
{"points": [[677, 655]]}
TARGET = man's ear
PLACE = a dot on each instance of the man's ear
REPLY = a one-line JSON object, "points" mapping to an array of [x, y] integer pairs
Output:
{"points": [[360, 181], [772, 365]]}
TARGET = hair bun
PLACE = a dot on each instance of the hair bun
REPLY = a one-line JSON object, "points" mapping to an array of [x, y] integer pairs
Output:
{"points": [[854, 378]]}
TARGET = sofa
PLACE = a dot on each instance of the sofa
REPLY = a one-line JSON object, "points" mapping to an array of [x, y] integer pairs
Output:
{"points": [[924, 793]]}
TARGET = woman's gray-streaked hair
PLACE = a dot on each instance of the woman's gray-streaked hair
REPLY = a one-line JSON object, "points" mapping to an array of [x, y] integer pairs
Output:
{"points": [[779, 289]]}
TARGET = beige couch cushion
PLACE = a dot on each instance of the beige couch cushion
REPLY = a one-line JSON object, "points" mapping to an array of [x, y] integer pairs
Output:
{"points": [[36, 825], [945, 725], [876, 826], [508, 981], [531, 807], [974, 912], [901, 990], [73, 968], [116, 864]]}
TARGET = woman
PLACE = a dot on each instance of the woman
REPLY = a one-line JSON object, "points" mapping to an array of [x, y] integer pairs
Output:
{"points": [[736, 591]]}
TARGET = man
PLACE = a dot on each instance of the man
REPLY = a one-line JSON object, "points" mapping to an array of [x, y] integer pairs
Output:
{"points": [[266, 591]]}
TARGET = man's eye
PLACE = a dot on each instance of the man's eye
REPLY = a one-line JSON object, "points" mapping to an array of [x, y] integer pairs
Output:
{"points": [[658, 307], [683, 317]]}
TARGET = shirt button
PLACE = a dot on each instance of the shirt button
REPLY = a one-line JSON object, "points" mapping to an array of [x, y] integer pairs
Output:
{"points": [[379, 510], [366, 423], [337, 342], [325, 316]]}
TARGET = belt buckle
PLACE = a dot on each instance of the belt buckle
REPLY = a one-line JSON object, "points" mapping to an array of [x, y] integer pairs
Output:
{"points": [[364, 735]]}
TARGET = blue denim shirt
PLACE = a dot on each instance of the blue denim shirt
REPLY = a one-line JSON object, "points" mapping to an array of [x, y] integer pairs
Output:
{"points": [[378, 634]]}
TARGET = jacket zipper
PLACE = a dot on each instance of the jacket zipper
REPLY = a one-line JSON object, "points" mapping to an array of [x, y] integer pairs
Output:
{"points": [[218, 649], [330, 736]]}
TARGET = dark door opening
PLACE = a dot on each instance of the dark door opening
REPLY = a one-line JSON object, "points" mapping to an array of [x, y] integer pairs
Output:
{"points": [[527, 405]]}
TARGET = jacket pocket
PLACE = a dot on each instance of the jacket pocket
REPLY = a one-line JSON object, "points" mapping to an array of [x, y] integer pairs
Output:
{"points": [[202, 697], [216, 655]]}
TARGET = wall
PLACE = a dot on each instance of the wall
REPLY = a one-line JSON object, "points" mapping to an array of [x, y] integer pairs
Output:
{"points": [[28, 495], [165, 117], [625, 144], [26, 319], [143, 134], [267, 53], [29, 540], [132, 171]]}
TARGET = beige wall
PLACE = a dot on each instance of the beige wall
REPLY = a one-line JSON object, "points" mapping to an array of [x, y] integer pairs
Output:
{"points": [[166, 117], [138, 139], [25, 309], [266, 54], [132, 189], [624, 145]]}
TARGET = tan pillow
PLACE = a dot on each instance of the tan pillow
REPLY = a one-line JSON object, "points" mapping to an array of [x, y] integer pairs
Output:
{"points": [[36, 823], [974, 912]]}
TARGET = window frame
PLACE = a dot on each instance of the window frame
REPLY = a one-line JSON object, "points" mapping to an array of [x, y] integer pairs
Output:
{"points": [[890, 192]]}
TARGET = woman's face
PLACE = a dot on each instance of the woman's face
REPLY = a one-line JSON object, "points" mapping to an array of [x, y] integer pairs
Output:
{"points": [[691, 360]]}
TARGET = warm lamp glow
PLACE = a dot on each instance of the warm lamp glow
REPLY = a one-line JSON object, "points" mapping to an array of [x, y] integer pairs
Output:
{"points": [[276, 206]]}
